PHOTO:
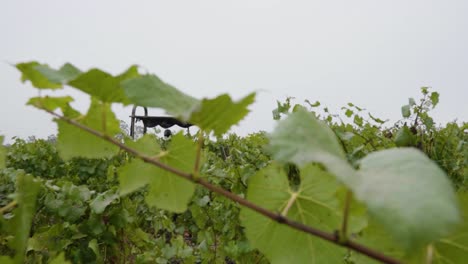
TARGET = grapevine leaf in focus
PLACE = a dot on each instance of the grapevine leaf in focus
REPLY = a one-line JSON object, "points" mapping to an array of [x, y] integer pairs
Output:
{"points": [[27, 190], [166, 191], [75, 142], [314, 203], [398, 186], [30, 73], [220, 113], [150, 91], [301, 139]]}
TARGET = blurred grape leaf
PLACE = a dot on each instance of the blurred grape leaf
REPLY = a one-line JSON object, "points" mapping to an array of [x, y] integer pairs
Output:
{"points": [[30, 73], [404, 137], [52, 103], [221, 113], [166, 191], [103, 85], [150, 91], [301, 139], [398, 186], [26, 193], [75, 142], [2, 153], [406, 111], [102, 200], [66, 73], [60, 259]]}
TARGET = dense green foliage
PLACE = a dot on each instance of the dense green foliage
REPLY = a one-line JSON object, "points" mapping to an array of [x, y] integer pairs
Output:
{"points": [[79, 198]]}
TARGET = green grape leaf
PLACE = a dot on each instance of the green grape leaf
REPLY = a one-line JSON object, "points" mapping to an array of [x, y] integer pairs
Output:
{"points": [[314, 203], [52, 103], [301, 139], [2, 154], [93, 245], [398, 186], [103, 85], [150, 91], [404, 137], [358, 120], [220, 113], [75, 142], [137, 173], [102, 200], [376, 237], [60, 259], [27, 190], [6, 260], [453, 248], [376, 119], [66, 73], [406, 111], [30, 73], [166, 191], [49, 239], [434, 99]]}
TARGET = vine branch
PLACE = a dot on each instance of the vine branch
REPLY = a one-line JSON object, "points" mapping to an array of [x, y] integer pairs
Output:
{"points": [[333, 238]]}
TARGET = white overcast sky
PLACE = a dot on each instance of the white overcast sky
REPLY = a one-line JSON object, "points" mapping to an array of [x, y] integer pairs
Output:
{"points": [[374, 53]]}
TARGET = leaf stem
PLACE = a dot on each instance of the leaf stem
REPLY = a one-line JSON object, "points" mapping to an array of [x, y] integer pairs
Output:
{"points": [[233, 197], [104, 118], [8, 207], [429, 254], [196, 168], [290, 203], [344, 224]]}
